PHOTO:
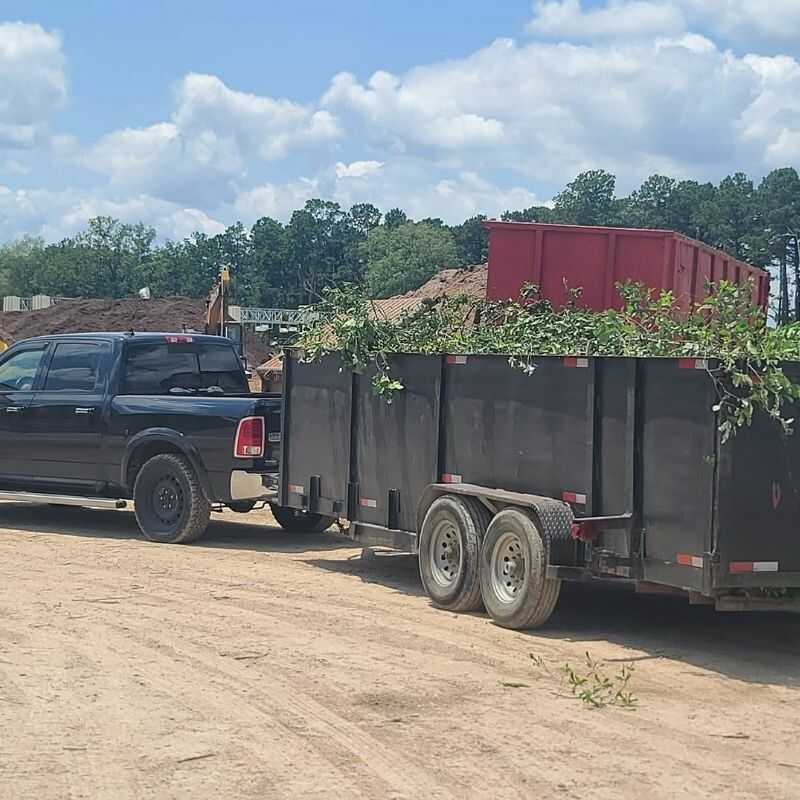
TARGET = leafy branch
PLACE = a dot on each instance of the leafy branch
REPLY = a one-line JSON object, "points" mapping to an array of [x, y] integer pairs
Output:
{"points": [[745, 355]]}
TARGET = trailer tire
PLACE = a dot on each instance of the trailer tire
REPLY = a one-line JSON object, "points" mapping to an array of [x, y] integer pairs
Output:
{"points": [[514, 585], [168, 501], [294, 520], [449, 552]]}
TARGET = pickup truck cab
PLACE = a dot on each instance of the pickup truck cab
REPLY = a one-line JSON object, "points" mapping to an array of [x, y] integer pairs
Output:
{"points": [[163, 419]]}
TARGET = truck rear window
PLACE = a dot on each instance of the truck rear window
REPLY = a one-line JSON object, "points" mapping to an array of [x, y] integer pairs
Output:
{"points": [[159, 368]]}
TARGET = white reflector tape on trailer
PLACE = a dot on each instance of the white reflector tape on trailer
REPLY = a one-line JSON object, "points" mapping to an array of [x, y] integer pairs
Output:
{"points": [[448, 478], [365, 503], [765, 566], [693, 363], [457, 360], [297, 490], [574, 497], [740, 567]]}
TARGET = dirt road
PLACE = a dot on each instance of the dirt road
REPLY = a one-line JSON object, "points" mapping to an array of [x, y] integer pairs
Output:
{"points": [[259, 664]]}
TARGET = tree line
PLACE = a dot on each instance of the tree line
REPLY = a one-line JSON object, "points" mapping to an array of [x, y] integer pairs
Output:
{"points": [[287, 265]]}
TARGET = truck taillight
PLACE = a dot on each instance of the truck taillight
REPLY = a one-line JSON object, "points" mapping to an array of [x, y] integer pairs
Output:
{"points": [[250, 438]]}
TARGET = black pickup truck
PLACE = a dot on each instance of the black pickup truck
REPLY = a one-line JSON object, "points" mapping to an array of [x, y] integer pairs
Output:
{"points": [[163, 419]]}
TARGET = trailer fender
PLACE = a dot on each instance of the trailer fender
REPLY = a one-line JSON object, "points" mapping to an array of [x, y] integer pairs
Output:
{"points": [[554, 516]]}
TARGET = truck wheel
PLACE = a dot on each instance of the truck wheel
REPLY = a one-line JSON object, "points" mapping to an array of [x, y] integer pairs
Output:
{"points": [[516, 590], [449, 552], [170, 505], [294, 520]]}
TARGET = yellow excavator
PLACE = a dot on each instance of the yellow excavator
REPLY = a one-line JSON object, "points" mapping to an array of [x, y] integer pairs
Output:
{"points": [[218, 321]]}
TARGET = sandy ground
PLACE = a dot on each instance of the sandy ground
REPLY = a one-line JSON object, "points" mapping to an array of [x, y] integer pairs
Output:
{"points": [[259, 664]]}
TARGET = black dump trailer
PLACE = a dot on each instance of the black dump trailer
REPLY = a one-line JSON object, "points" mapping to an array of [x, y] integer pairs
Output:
{"points": [[508, 481]]}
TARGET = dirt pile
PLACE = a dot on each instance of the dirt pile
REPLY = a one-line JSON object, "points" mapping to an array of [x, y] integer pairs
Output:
{"points": [[75, 316], [470, 281]]}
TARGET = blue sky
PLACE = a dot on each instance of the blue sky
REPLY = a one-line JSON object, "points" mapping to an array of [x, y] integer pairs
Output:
{"points": [[194, 114]]}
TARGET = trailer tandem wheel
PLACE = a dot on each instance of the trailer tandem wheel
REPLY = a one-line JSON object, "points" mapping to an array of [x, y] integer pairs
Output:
{"points": [[449, 552], [513, 572]]}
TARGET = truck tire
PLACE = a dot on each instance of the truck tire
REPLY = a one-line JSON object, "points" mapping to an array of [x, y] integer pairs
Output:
{"points": [[449, 552], [294, 520], [170, 505], [514, 585]]}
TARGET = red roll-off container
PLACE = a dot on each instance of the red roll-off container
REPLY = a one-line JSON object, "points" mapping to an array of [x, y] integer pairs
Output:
{"points": [[596, 259]]}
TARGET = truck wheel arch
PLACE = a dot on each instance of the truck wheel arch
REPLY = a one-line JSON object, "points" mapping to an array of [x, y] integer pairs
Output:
{"points": [[155, 441]]}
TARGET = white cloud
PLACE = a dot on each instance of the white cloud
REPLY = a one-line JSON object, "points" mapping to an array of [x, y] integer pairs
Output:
{"points": [[33, 84], [278, 202], [358, 169], [56, 214], [752, 23], [213, 136], [418, 187], [633, 106], [567, 19]]}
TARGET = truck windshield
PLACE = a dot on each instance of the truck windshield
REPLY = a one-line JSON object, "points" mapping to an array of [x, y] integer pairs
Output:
{"points": [[165, 368]]}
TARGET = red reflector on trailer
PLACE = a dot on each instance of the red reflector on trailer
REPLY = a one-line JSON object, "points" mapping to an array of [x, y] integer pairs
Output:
{"points": [[572, 361], [740, 567], [687, 560], [448, 478], [179, 339], [457, 360], [574, 497], [294, 489], [693, 363], [249, 438], [365, 503]]}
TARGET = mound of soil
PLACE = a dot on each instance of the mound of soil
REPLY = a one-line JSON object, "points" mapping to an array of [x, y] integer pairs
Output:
{"points": [[76, 316]]}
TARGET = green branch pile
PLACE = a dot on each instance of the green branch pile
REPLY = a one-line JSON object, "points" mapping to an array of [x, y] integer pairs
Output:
{"points": [[747, 355]]}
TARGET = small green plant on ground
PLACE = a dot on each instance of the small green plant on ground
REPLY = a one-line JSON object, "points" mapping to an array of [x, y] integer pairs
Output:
{"points": [[598, 688]]}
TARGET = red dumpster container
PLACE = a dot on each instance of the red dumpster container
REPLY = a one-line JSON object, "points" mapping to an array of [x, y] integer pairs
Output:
{"points": [[596, 259]]}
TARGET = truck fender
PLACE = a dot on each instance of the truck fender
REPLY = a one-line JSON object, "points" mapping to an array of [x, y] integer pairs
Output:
{"points": [[554, 516], [174, 441]]}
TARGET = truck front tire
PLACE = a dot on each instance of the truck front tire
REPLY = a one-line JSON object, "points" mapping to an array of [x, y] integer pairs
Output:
{"points": [[294, 520], [449, 552], [169, 503], [516, 590]]}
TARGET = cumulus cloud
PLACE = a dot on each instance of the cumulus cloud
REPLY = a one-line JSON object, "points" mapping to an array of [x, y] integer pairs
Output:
{"points": [[567, 19], [632, 106], [56, 214], [358, 169], [424, 190], [212, 137], [744, 22], [33, 83], [276, 201]]}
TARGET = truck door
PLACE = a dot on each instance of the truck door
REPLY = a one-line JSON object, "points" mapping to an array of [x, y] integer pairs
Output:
{"points": [[66, 415], [19, 370]]}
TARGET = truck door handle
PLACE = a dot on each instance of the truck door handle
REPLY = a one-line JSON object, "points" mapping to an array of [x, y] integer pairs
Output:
{"points": [[14, 409], [84, 411]]}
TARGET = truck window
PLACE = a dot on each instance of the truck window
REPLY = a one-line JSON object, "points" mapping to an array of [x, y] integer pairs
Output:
{"points": [[74, 367], [156, 368], [18, 372]]}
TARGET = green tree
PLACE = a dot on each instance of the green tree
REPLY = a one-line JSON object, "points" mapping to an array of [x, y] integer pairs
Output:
{"points": [[402, 258], [472, 241], [395, 217], [531, 214], [588, 200]]}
